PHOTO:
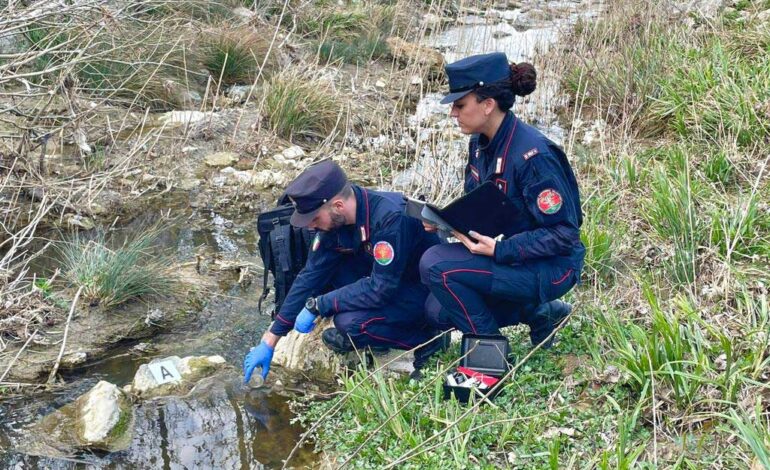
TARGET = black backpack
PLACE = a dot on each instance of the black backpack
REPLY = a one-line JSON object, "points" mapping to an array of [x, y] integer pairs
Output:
{"points": [[283, 249]]}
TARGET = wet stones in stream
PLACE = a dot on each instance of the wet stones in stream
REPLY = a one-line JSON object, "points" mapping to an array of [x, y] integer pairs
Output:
{"points": [[183, 374], [217, 424], [103, 417], [100, 419]]}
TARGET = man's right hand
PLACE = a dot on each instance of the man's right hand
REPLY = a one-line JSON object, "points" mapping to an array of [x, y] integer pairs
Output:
{"points": [[430, 228], [261, 356]]}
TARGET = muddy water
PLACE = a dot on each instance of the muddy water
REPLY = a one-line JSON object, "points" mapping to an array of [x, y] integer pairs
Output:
{"points": [[220, 425]]}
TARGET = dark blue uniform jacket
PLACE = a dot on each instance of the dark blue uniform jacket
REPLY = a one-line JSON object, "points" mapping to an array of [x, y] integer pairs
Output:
{"points": [[382, 250], [535, 174]]}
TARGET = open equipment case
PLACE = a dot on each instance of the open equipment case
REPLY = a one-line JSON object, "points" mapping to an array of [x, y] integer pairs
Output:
{"points": [[485, 354]]}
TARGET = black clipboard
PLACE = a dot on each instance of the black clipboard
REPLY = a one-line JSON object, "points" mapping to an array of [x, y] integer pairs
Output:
{"points": [[485, 210]]}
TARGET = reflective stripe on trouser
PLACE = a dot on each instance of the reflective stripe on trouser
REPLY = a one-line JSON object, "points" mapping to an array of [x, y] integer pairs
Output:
{"points": [[476, 294], [400, 324]]}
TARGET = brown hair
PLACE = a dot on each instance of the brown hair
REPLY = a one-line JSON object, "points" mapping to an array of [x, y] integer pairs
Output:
{"points": [[523, 78], [521, 82]]}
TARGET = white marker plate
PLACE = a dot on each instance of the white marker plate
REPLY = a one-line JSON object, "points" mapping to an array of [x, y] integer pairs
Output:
{"points": [[164, 372]]}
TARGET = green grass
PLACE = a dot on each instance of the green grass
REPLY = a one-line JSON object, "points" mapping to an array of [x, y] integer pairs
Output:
{"points": [[668, 351], [510, 433], [713, 90], [111, 275], [235, 55], [357, 50], [301, 106]]}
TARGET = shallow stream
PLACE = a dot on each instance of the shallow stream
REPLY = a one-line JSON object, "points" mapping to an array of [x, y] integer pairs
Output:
{"points": [[222, 426]]}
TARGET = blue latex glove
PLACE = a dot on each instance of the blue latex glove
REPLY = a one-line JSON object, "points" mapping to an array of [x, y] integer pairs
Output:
{"points": [[261, 356], [305, 321]]}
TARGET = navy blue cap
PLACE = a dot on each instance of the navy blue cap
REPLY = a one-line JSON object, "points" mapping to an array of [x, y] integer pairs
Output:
{"points": [[312, 189], [475, 71]]}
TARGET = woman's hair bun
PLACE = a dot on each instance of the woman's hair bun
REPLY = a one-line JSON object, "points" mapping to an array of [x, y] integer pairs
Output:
{"points": [[523, 78]]}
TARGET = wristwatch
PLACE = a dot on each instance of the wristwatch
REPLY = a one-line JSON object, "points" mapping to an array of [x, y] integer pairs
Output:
{"points": [[312, 304]]}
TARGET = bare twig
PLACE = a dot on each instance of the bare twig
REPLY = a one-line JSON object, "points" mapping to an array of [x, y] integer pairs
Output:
{"points": [[52, 376]]}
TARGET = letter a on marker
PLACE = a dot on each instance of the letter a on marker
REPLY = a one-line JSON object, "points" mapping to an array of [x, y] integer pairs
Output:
{"points": [[165, 373]]}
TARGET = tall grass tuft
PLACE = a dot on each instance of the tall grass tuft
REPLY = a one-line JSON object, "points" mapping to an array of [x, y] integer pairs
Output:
{"points": [[235, 55], [113, 275], [366, 47], [755, 432], [670, 351], [713, 89], [354, 35], [138, 64], [298, 105]]}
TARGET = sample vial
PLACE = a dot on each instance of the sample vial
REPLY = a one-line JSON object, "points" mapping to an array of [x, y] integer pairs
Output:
{"points": [[256, 381]]}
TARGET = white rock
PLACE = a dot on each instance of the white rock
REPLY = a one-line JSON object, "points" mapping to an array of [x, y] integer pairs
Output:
{"points": [[77, 220], [74, 359], [380, 84], [191, 369], [268, 178], [305, 354], [183, 117], [101, 412], [239, 93], [189, 184], [221, 159], [293, 152]]}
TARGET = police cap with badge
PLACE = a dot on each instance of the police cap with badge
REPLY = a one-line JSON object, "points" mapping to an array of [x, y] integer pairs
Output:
{"points": [[471, 73], [313, 188]]}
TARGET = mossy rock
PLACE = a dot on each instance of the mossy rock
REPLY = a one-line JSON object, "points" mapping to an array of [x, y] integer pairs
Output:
{"points": [[191, 369], [102, 418]]}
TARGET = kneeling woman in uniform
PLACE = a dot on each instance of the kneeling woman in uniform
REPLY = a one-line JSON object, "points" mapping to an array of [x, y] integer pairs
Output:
{"points": [[481, 284]]}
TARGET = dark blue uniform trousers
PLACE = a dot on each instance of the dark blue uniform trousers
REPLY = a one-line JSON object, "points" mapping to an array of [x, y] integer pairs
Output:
{"points": [[475, 294], [400, 324]]}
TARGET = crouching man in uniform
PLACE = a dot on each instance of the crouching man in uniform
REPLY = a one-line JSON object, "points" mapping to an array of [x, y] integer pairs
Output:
{"points": [[362, 270]]}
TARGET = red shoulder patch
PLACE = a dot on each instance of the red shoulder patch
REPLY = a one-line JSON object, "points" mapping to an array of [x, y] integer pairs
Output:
{"points": [[549, 201], [383, 253]]}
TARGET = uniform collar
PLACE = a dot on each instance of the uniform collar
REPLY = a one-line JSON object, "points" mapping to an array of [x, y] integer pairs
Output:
{"points": [[497, 146], [363, 229]]}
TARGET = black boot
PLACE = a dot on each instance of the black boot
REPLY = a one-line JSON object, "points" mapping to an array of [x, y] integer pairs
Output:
{"points": [[336, 341], [341, 344], [545, 319], [423, 353]]}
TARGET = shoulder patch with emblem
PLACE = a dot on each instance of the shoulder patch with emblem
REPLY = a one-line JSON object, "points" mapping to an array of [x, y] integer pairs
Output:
{"points": [[530, 153], [549, 201], [383, 253], [316, 242]]}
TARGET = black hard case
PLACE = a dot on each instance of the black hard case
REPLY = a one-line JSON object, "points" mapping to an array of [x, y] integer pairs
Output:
{"points": [[489, 356]]}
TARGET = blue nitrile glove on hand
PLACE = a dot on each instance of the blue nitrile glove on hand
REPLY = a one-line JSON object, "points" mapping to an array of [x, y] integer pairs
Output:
{"points": [[305, 321], [261, 356]]}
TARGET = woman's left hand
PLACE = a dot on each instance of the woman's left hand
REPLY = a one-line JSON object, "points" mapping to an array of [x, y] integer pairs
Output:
{"points": [[485, 245]]}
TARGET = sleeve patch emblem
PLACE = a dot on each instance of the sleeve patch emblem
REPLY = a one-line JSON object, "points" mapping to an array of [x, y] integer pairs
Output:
{"points": [[383, 253], [531, 153], [549, 201], [316, 242]]}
